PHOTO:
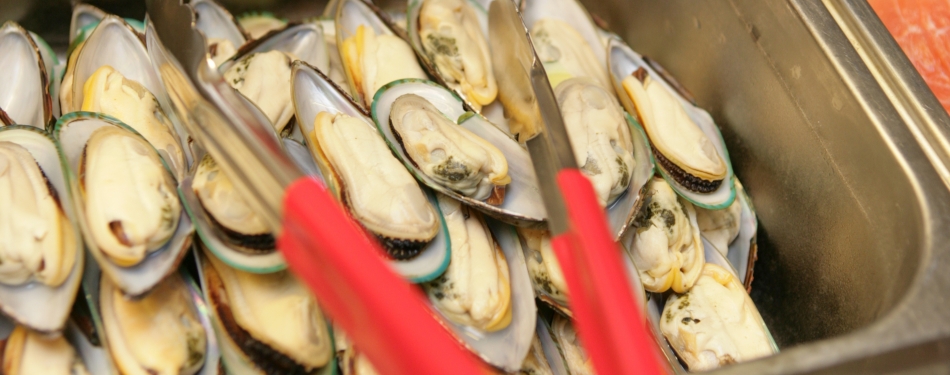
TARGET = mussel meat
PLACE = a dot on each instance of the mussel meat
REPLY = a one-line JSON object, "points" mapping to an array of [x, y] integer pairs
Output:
{"points": [[449, 153], [475, 289], [132, 206], [667, 249]]}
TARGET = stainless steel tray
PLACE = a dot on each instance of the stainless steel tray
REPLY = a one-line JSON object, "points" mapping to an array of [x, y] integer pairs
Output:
{"points": [[840, 144]]}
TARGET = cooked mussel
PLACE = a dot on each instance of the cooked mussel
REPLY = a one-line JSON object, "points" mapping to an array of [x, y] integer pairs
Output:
{"points": [[160, 333], [27, 352], [267, 323], [666, 247], [715, 323]]}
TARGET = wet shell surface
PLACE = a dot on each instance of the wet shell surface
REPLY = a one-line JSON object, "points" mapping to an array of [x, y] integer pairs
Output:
{"points": [[160, 333], [132, 222], [521, 204], [25, 96], [689, 149], [314, 94], [27, 352], [715, 323], [451, 36], [485, 294], [372, 54], [40, 248], [666, 246], [267, 323]]}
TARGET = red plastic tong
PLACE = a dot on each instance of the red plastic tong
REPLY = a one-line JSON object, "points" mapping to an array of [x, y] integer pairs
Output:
{"points": [[388, 319]]}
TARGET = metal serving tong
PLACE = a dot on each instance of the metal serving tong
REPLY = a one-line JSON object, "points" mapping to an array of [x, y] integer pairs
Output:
{"points": [[609, 322], [387, 319]]}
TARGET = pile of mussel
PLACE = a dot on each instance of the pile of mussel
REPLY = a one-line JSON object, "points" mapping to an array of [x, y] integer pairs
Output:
{"points": [[102, 189]]}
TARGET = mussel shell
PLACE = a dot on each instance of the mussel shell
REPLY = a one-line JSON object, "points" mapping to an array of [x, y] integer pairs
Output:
{"points": [[34, 304], [232, 358], [25, 96], [72, 131], [301, 41], [114, 42], [572, 13], [622, 61], [505, 348], [214, 239], [412, 24], [85, 18], [522, 205], [215, 21], [313, 93], [93, 283], [349, 16], [551, 353]]}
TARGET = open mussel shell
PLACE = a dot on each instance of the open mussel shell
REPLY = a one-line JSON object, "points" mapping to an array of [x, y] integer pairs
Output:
{"points": [[522, 205], [114, 42], [215, 21], [72, 132], [623, 61], [215, 240], [25, 95], [98, 286], [549, 347], [505, 348], [85, 18], [303, 41], [34, 304], [313, 93], [233, 359], [655, 312], [349, 16], [570, 12], [562, 305], [412, 24]]}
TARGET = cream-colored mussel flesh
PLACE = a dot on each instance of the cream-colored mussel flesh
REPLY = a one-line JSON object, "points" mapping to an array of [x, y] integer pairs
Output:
{"points": [[679, 144], [373, 60], [720, 227], [375, 186], [545, 271], [715, 323], [449, 153], [158, 334], [667, 249], [220, 49], [107, 91], [259, 24], [272, 318], [131, 204], [37, 241], [577, 360], [475, 289], [264, 79], [30, 353], [228, 209], [566, 54], [454, 42], [599, 135]]}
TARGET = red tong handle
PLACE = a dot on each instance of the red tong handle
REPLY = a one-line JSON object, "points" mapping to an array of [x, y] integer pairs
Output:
{"points": [[386, 318], [610, 324]]}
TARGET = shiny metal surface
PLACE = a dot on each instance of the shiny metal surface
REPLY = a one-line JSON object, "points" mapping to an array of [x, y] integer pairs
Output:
{"points": [[517, 63], [839, 143]]}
